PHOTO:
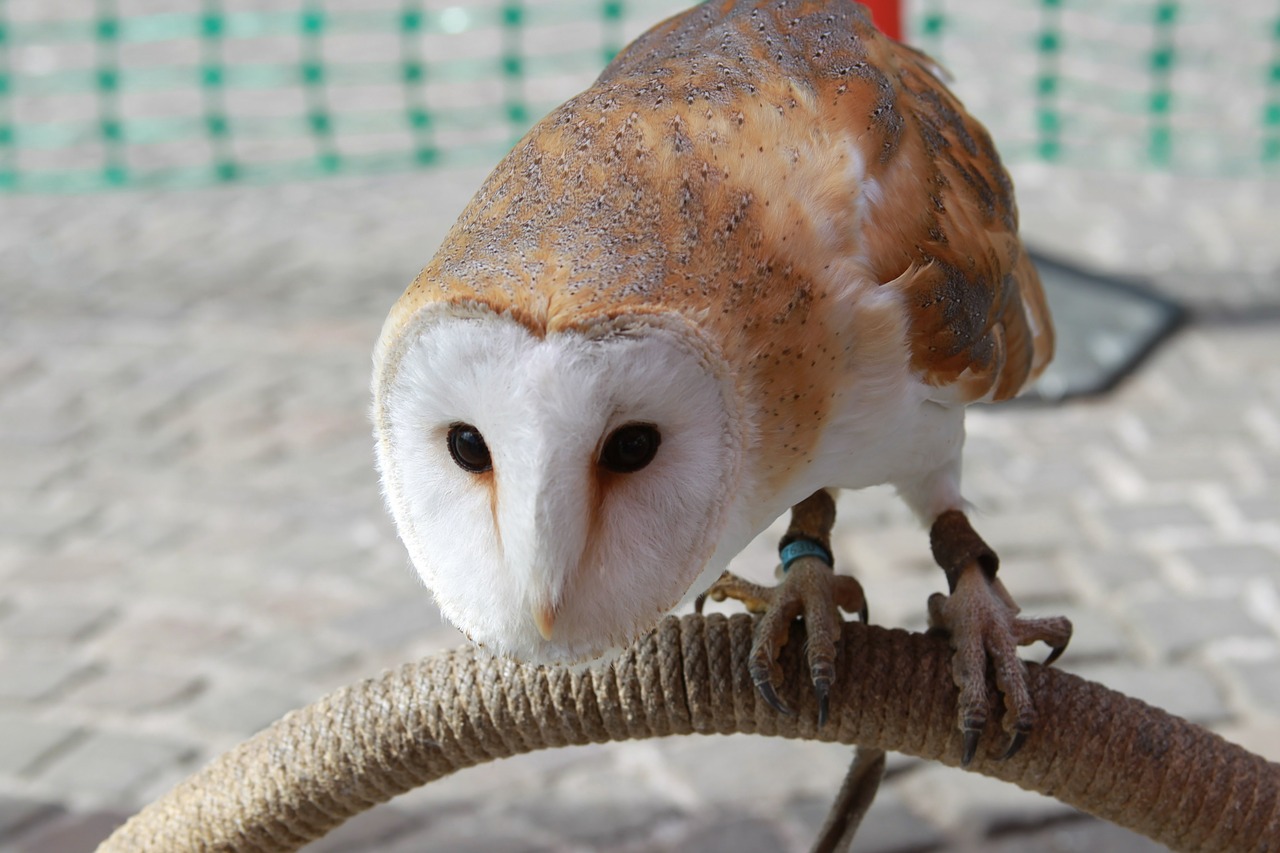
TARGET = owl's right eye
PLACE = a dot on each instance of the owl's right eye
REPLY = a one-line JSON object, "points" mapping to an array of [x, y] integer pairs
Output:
{"points": [[467, 447]]}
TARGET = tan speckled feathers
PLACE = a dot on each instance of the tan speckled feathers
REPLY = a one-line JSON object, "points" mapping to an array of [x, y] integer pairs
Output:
{"points": [[742, 162]]}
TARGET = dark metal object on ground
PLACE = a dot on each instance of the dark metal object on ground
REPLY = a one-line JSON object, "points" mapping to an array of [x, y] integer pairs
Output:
{"points": [[1106, 328]]}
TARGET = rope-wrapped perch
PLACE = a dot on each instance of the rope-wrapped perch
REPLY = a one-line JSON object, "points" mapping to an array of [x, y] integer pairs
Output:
{"points": [[1093, 748]]}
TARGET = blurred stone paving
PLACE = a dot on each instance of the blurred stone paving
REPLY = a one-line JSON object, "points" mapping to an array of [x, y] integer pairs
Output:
{"points": [[192, 540]]}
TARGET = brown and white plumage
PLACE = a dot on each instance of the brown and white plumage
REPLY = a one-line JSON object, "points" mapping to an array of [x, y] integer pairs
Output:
{"points": [[756, 158], [779, 206]]}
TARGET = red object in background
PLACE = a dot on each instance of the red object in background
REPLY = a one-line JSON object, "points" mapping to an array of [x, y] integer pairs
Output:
{"points": [[887, 15]]}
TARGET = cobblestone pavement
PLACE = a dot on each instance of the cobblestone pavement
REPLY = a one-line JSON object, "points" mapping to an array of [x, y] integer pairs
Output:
{"points": [[192, 542]]}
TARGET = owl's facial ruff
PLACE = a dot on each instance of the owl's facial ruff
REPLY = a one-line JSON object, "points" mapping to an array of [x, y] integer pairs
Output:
{"points": [[550, 556]]}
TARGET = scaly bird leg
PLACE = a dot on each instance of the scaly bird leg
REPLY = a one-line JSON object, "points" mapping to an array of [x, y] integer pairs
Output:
{"points": [[809, 588], [982, 622], [861, 783]]}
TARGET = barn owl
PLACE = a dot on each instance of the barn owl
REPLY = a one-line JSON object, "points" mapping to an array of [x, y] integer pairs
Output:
{"points": [[767, 255]]}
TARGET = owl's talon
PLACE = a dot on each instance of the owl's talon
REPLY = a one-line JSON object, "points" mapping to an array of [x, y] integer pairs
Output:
{"points": [[810, 589], [1019, 738], [971, 738], [755, 598], [770, 695], [981, 621], [823, 689]]}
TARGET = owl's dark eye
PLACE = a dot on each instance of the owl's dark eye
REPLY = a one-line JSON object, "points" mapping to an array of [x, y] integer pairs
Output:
{"points": [[467, 447], [630, 448]]}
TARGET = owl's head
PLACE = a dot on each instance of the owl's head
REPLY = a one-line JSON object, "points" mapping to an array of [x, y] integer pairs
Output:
{"points": [[558, 491]]}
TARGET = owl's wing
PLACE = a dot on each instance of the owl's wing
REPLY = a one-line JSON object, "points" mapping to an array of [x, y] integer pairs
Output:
{"points": [[946, 236]]}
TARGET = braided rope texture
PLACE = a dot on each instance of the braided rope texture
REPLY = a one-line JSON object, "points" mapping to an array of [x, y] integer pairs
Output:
{"points": [[1095, 749]]}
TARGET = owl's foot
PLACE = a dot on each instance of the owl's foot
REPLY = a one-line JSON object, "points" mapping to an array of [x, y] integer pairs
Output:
{"points": [[981, 620], [809, 589]]}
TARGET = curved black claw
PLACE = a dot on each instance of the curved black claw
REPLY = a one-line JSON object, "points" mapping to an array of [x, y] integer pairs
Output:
{"points": [[699, 602], [770, 695], [1019, 738], [971, 738], [1053, 631], [822, 687]]}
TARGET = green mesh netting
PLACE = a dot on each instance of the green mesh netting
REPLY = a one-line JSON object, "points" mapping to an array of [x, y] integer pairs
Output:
{"points": [[1191, 87], [189, 92]]}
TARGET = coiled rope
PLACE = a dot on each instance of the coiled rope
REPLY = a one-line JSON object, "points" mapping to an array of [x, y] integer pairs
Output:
{"points": [[1093, 748]]}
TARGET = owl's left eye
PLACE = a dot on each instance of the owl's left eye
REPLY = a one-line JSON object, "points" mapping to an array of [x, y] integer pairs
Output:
{"points": [[630, 448], [467, 447]]}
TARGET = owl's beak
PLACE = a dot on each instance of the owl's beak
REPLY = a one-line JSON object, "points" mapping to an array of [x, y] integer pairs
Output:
{"points": [[544, 616]]}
